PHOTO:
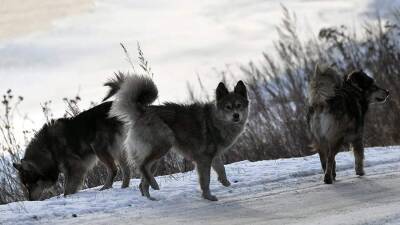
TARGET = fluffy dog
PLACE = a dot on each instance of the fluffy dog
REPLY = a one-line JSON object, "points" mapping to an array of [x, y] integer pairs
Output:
{"points": [[200, 131], [336, 113], [72, 146]]}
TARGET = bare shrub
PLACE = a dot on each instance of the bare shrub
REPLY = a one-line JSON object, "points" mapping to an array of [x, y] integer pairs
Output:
{"points": [[277, 126], [10, 150]]}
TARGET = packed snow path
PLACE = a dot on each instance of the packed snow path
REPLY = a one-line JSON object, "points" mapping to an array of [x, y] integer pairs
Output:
{"points": [[287, 191]]}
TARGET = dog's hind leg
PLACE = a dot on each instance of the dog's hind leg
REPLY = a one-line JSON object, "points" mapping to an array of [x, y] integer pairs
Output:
{"points": [[125, 169], [146, 165], [219, 168], [204, 169], [358, 150], [106, 158], [144, 186], [148, 176], [112, 171]]}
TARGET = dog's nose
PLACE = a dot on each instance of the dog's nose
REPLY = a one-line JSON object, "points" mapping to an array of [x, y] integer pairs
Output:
{"points": [[387, 92], [236, 116]]}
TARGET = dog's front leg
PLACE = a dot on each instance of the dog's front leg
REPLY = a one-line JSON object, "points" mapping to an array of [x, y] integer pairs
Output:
{"points": [[334, 169], [330, 173], [328, 179], [74, 180], [107, 159], [322, 158], [219, 168], [204, 170], [72, 184], [358, 150]]}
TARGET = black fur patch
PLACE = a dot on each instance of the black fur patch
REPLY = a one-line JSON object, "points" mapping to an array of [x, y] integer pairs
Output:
{"points": [[63, 139]]}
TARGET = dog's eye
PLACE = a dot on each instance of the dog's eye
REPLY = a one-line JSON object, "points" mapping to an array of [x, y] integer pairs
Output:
{"points": [[228, 107], [238, 105]]}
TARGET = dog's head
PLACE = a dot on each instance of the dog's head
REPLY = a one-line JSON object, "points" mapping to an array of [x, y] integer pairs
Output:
{"points": [[233, 106], [372, 92], [34, 183]]}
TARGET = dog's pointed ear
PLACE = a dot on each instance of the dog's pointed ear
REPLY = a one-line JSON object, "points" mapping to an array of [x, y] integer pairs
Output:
{"points": [[17, 166], [352, 77], [221, 91], [321, 68], [355, 79], [241, 89], [26, 165]]}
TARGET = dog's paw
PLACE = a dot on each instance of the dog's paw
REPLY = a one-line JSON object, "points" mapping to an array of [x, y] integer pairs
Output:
{"points": [[105, 187], [225, 182], [143, 190], [151, 198], [210, 197], [154, 185], [360, 172], [328, 179]]}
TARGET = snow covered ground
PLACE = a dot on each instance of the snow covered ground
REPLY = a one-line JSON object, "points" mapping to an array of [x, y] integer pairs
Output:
{"points": [[284, 191]]}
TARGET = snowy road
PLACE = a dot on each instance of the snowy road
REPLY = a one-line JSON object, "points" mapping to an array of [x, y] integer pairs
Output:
{"points": [[287, 191], [373, 200]]}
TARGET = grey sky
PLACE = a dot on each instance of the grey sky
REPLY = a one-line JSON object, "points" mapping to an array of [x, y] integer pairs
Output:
{"points": [[53, 49]]}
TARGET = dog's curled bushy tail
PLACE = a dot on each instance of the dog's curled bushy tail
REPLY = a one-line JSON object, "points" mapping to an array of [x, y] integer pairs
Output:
{"points": [[133, 93], [323, 84], [114, 84]]}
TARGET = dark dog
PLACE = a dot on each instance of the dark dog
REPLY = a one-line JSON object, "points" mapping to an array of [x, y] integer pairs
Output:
{"points": [[70, 146], [199, 131], [336, 114]]}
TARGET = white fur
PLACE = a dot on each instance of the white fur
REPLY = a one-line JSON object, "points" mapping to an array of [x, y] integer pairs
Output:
{"points": [[138, 149], [323, 126]]}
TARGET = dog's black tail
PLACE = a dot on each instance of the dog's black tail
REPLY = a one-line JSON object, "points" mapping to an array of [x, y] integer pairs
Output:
{"points": [[132, 94], [114, 84]]}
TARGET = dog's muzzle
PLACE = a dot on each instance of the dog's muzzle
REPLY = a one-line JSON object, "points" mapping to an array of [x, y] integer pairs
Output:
{"points": [[236, 117], [383, 96]]}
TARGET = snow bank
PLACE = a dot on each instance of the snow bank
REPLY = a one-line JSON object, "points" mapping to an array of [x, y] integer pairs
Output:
{"points": [[247, 178]]}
